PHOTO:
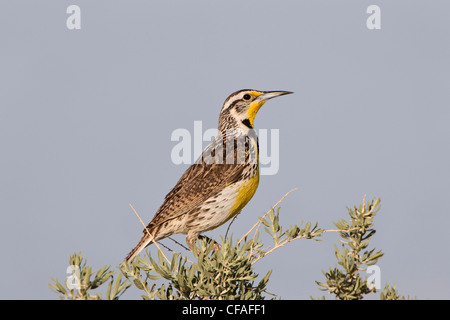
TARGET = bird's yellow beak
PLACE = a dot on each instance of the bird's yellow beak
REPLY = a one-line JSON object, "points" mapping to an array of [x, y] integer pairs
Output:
{"points": [[262, 97]]}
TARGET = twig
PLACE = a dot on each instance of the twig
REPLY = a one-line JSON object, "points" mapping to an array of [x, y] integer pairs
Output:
{"points": [[258, 224], [286, 241], [340, 230], [262, 218], [274, 248], [229, 225], [181, 245], [153, 238]]}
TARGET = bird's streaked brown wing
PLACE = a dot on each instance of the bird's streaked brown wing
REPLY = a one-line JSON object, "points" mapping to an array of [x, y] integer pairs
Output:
{"points": [[200, 182]]}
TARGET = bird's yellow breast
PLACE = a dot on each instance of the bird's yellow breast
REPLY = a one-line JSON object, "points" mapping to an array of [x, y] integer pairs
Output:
{"points": [[248, 188], [245, 193]]}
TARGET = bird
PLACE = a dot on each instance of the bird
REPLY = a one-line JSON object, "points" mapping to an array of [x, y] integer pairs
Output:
{"points": [[219, 184]]}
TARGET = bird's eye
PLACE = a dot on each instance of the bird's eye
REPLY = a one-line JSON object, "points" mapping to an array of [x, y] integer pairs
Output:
{"points": [[247, 96]]}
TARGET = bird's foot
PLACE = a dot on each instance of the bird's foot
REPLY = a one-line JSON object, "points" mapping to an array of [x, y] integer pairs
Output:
{"points": [[216, 245]]}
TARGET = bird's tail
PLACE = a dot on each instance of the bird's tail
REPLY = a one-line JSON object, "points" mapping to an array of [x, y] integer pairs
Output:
{"points": [[145, 241]]}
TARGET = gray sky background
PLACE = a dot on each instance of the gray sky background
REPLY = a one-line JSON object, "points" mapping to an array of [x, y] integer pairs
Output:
{"points": [[86, 118]]}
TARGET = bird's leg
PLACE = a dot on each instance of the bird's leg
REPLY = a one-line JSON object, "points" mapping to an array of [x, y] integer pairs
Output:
{"points": [[216, 245], [192, 237]]}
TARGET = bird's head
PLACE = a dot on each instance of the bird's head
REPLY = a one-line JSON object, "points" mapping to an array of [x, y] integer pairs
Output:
{"points": [[241, 107]]}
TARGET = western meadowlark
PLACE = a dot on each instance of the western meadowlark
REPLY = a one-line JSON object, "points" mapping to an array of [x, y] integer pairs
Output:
{"points": [[222, 180]]}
